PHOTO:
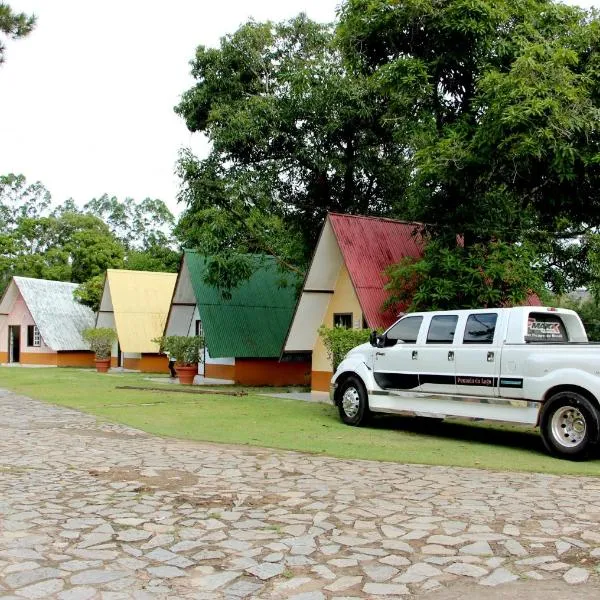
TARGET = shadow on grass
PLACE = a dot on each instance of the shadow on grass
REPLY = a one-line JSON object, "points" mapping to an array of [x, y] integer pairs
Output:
{"points": [[508, 435]]}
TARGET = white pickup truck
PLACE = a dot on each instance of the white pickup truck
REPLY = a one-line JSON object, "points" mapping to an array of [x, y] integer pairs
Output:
{"points": [[528, 364]]}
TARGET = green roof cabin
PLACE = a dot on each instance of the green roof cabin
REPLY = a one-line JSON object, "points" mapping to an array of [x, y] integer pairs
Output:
{"points": [[244, 334]]}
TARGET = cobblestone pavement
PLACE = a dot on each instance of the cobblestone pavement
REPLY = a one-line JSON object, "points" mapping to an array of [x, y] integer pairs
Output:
{"points": [[96, 510]]}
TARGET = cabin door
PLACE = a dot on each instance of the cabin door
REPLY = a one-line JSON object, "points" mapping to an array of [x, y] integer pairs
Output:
{"points": [[14, 343]]}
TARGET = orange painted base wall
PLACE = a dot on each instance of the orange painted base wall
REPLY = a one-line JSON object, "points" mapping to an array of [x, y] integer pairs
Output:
{"points": [[320, 380], [3, 357], [271, 372], [154, 363], [149, 363], [131, 363], [57, 359], [75, 359], [219, 371], [38, 358]]}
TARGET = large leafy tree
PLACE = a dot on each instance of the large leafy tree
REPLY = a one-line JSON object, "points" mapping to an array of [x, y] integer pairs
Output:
{"points": [[13, 25], [500, 105], [293, 134], [66, 243]]}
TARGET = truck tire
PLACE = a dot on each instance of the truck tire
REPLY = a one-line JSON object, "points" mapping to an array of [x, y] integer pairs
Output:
{"points": [[353, 403], [569, 425]]}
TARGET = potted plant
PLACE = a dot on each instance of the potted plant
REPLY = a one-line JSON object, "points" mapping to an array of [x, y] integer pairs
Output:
{"points": [[101, 341], [185, 350]]}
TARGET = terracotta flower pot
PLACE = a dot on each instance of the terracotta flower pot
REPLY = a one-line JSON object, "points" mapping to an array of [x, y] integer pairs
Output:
{"points": [[186, 374], [102, 365]]}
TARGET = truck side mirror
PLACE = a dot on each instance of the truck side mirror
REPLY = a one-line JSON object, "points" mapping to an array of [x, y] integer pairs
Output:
{"points": [[373, 338]]}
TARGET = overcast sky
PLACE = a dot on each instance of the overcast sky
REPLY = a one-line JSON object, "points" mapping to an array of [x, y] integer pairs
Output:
{"points": [[86, 101]]}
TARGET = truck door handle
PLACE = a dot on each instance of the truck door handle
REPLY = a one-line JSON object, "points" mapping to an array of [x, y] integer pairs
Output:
{"points": [[415, 354], [451, 355], [379, 353], [490, 357]]}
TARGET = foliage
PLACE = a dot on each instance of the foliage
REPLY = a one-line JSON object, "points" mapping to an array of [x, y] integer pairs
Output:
{"points": [[186, 350], [90, 292], [66, 243], [338, 341], [294, 134], [13, 25], [496, 274], [137, 225], [589, 310], [101, 341], [498, 102]]}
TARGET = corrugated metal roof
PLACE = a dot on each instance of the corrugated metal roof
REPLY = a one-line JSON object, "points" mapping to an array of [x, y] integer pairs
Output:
{"points": [[140, 302], [254, 321], [369, 245], [58, 316]]}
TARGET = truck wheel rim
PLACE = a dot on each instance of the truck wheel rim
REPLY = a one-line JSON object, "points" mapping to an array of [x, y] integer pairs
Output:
{"points": [[351, 402], [568, 426]]}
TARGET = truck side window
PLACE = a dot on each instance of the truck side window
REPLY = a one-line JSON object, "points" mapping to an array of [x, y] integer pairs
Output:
{"points": [[544, 327], [480, 328], [441, 329], [406, 330]]}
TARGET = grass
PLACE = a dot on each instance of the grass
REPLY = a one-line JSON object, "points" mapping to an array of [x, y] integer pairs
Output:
{"points": [[291, 424]]}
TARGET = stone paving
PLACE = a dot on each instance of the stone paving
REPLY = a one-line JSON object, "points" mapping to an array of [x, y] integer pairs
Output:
{"points": [[98, 510]]}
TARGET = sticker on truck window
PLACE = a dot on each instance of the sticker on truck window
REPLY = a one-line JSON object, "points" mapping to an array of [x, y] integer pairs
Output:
{"points": [[545, 328]]}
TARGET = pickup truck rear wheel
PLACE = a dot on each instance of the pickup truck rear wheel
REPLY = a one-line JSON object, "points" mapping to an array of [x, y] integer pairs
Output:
{"points": [[569, 425], [353, 403]]}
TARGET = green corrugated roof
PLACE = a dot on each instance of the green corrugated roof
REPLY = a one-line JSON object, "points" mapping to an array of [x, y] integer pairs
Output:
{"points": [[252, 323]]}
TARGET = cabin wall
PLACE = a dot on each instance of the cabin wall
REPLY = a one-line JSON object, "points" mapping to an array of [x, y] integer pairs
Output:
{"points": [[30, 355], [343, 300]]}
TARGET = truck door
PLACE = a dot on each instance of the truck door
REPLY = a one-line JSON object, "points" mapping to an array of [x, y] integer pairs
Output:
{"points": [[477, 357], [435, 359], [393, 365]]}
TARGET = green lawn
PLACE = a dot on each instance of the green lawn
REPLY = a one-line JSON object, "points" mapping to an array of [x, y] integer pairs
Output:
{"points": [[290, 424]]}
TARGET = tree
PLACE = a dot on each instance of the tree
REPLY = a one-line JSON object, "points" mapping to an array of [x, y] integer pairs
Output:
{"points": [[90, 292], [145, 229], [13, 25], [499, 105], [483, 275], [294, 134], [36, 241]]}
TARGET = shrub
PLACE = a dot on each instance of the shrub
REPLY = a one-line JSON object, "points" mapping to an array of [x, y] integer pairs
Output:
{"points": [[101, 341], [338, 341], [184, 349]]}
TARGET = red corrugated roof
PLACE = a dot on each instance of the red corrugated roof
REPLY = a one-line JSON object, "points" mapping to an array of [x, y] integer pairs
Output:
{"points": [[369, 245]]}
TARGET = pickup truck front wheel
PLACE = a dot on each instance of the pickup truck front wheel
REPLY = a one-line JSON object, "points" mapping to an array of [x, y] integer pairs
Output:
{"points": [[569, 425], [353, 403]]}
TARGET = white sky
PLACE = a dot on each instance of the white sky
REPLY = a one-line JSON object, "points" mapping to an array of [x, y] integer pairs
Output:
{"points": [[86, 100]]}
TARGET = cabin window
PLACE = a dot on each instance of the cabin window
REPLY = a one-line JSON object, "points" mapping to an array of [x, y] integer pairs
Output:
{"points": [[405, 330], [480, 328], [342, 320], [33, 336], [441, 329], [544, 327], [199, 329]]}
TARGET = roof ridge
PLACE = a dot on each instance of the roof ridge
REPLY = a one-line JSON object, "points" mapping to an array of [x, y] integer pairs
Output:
{"points": [[57, 281], [375, 218], [138, 271]]}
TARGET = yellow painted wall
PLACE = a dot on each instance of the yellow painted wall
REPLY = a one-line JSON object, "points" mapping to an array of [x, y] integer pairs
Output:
{"points": [[343, 300]]}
